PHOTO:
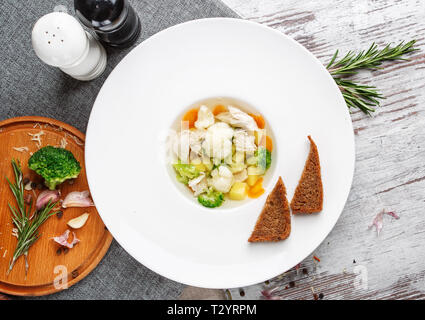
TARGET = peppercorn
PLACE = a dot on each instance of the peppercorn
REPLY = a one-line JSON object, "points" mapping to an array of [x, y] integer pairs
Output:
{"points": [[59, 251], [59, 214]]}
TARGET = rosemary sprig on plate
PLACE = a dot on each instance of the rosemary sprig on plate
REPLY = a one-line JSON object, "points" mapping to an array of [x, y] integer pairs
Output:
{"points": [[26, 225], [360, 96]]}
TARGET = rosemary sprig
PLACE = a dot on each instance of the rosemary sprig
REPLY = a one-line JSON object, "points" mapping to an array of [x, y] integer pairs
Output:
{"points": [[359, 96], [362, 96], [21, 216], [371, 59]]}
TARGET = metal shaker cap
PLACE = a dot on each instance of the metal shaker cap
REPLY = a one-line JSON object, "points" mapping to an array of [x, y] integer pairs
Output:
{"points": [[59, 40]]}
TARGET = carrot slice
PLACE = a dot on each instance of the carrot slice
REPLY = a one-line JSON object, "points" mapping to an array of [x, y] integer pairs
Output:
{"points": [[269, 143], [257, 189], [219, 109], [255, 194], [191, 116], [261, 123]]}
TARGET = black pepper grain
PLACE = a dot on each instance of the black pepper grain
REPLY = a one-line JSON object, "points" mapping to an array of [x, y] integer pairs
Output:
{"points": [[65, 250], [291, 284], [59, 214], [305, 271], [33, 185], [321, 295], [59, 251]]}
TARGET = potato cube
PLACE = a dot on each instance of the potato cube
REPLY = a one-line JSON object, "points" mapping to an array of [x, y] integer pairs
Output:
{"points": [[252, 179], [238, 191]]}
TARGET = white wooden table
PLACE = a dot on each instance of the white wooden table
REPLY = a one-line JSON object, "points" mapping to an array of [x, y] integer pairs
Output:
{"points": [[390, 153]]}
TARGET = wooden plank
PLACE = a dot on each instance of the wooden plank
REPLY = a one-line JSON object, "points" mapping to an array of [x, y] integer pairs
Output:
{"points": [[390, 149]]}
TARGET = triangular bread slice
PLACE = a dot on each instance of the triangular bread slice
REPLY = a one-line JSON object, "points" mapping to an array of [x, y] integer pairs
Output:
{"points": [[274, 222], [308, 196]]}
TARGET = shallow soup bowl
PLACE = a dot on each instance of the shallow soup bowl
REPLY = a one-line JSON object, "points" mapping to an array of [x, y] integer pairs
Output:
{"points": [[134, 186]]}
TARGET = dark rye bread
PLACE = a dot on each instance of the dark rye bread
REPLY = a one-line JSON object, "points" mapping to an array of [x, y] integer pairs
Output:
{"points": [[308, 196], [274, 222]]}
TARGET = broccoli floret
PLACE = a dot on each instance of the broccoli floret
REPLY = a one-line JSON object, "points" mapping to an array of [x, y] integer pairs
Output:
{"points": [[185, 172], [55, 165], [211, 198], [264, 158]]}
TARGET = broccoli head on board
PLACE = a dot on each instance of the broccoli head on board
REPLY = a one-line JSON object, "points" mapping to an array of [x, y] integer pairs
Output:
{"points": [[55, 165]]}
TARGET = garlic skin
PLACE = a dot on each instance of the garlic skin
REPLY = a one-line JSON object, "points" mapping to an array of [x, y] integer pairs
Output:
{"points": [[77, 199], [79, 221], [63, 239], [46, 196]]}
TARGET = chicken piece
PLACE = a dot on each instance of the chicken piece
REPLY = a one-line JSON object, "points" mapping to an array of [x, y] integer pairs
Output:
{"points": [[205, 118], [198, 185], [221, 179], [243, 141], [195, 140], [218, 141], [238, 118]]}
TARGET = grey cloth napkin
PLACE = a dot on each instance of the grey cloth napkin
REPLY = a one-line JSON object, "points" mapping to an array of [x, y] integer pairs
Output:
{"points": [[29, 87]]}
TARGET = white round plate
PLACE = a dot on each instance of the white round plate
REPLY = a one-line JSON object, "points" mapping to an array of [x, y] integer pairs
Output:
{"points": [[151, 87]]}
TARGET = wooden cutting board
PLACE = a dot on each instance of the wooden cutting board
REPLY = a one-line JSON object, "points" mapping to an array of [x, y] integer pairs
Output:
{"points": [[48, 271]]}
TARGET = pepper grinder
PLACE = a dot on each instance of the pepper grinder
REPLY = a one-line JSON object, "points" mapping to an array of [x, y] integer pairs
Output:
{"points": [[59, 40], [114, 21]]}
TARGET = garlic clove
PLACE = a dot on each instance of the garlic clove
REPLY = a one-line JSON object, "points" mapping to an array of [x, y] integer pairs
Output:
{"points": [[78, 222], [77, 199], [28, 186], [46, 196]]}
